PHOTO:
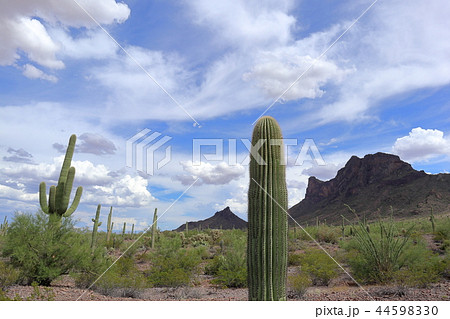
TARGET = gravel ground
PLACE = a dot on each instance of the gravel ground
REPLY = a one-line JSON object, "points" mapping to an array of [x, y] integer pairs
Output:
{"points": [[65, 291]]}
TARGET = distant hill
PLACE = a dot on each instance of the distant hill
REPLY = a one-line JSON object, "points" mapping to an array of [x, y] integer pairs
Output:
{"points": [[370, 185], [225, 219]]}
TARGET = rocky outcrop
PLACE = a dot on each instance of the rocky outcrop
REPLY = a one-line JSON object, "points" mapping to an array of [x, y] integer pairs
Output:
{"points": [[371, 185]]}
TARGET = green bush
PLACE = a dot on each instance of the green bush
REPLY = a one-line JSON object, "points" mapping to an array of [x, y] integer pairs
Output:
{"points": [[42, 251], [230, 269], [320, 267], [171, 265], [327, 234], [123, 279], [376, 255], [299, 283], [419, 267], [294, 259], [8, 275]]}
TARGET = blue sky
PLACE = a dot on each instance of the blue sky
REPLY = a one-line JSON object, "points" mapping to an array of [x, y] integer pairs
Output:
{"points": [[384, 86]]}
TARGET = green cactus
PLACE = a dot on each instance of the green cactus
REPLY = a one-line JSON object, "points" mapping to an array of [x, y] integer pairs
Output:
{"points": [[97, 224], [154, 225], [343, 226], [124, 228], [132, 231], [267, 218], [109, 226], [4, 226], [59, 196], [433, 227], [187, 228]]}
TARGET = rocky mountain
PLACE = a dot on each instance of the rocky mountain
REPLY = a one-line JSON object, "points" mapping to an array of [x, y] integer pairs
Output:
{"points": [[371, 185], [225, 219]]}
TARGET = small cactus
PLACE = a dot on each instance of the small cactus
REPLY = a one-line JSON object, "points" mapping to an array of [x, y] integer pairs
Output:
{"points": [[154, 225], [97, 224], [187, 228], [433, 226], [124, 228], [132, 231], [109, 226]]}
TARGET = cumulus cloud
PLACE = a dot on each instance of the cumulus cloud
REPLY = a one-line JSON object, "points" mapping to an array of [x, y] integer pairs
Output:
{"points": [[422, 144], [277, 71], [90, 143], [208, 173], [24, 27], [124, 189]]}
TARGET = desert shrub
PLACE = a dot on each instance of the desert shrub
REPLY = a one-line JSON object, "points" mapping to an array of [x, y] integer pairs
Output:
{"points": [[377, 254], [173, 266], [442, 229], [230, 269], [43, 251], [319, 266], [294, 259], [299, 283], [8, 275], [123, 279], [327, 234], [419, 267]]}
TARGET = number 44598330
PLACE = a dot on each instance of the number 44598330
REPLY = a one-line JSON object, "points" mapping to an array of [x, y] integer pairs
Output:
{"points": [[407, 310]]}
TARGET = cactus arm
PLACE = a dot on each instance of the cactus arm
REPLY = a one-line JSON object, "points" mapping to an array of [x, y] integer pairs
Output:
{"points": [[75, 202], [43, 197], [155, 220], [67, 190], [52, 200]]}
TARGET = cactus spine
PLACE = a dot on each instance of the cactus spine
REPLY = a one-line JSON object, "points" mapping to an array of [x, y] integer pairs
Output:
{"points": [[267, 218], [59, 196], [109, 226], [154, 225], [97, 224]]}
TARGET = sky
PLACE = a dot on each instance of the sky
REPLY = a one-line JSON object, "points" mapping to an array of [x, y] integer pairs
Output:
{"points": [[342, 78]]}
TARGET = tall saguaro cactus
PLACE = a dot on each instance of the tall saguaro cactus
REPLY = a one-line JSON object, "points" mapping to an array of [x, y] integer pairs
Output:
{"points": [[267, 220], [59, 196], [154, 225], [97, 224]]}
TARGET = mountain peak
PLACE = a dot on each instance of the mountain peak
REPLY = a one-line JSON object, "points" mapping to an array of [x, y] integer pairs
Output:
{"points": [[370, 184], [224, 219]]}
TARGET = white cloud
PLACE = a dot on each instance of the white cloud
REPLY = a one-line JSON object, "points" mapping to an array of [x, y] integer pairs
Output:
{"points": [[32, 72], [389, 59], [23, 26], [421, 145], [246, 23], [208, 173]]}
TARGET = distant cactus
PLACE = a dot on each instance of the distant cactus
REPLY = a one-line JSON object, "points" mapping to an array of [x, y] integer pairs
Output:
{"points": [[59, 196], [154, 225], [109, 226], [97, 224], [343, 226], [267, 218], [433, 226], [4, 226], [124, 228], [132, 230], [187, 228]]}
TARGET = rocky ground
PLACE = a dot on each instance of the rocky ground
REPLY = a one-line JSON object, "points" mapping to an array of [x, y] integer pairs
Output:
{"points": [[65, 290]]}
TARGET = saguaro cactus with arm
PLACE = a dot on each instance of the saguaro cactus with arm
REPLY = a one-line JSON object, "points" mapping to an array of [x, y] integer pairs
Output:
{"points": [[97, 224], [59, 196], [267, 220]]}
